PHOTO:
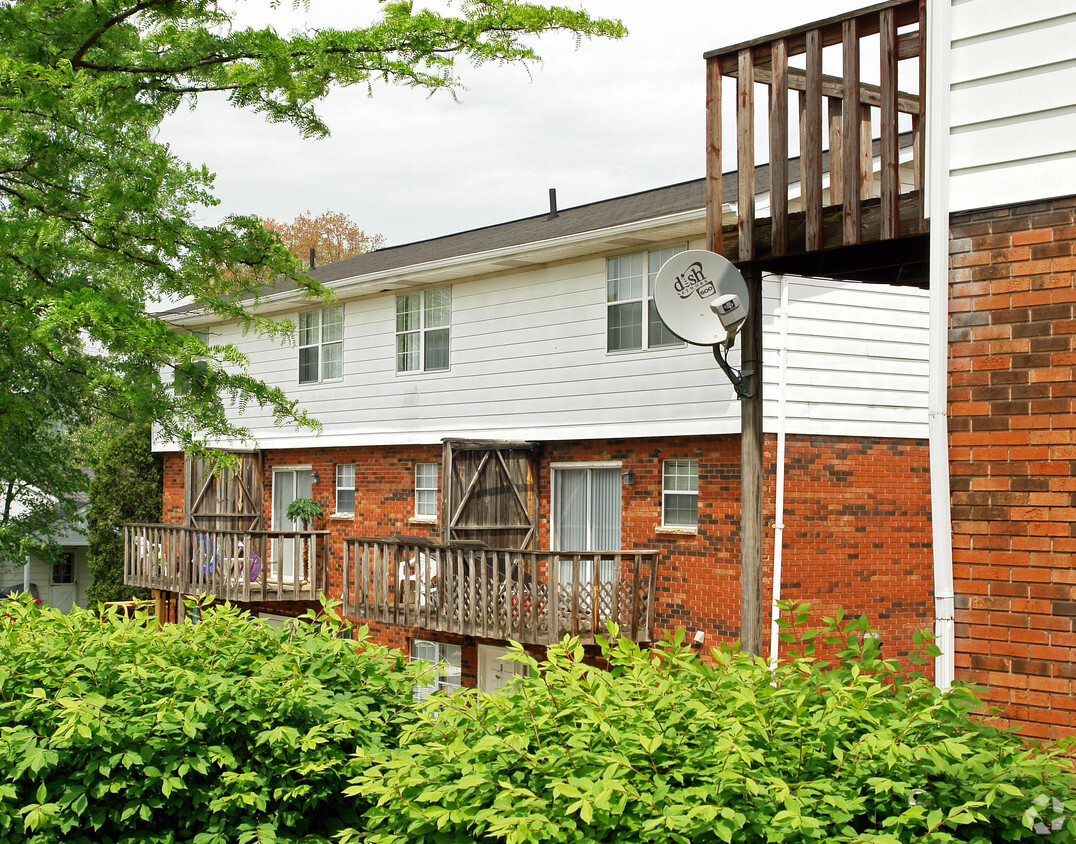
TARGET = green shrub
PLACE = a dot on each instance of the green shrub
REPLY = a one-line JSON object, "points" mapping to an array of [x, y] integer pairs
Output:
{"points": [[115, 730], [667, 747]]}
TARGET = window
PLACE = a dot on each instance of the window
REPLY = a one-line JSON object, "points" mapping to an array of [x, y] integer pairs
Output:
{"points": [[447, 660], [422, 330], [586, 516], [345, 488], [321, 345], [426, 490], [680, 494], [63, 570], [633, 321], [586, 508]]}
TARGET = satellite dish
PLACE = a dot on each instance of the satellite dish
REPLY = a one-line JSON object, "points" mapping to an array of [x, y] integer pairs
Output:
{"points": [[701, 297]]}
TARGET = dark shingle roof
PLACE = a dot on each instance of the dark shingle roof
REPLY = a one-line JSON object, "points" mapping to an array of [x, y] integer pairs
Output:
{"points": [[686, 196]]}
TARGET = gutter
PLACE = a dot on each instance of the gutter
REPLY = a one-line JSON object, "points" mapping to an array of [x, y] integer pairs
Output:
{"points": [[937, 208]]}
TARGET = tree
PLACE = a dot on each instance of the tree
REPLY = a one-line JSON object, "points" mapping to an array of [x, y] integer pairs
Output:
{"points": [[331, 234], [126, 487], [98, 218]]}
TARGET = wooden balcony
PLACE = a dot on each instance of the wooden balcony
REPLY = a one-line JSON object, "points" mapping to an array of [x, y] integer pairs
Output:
{"points": [[529, 596], [233, 565], [858, 185]]}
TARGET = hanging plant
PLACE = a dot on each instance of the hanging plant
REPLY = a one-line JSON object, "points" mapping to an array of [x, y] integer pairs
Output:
{"points": [[304, 510]]}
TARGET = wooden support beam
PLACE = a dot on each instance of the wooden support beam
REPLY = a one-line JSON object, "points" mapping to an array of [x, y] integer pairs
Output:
{"points": [[851, 157], [779, 147], [835, 107], [866, 154], [745, 156], [833, 86], [713, 156], [751, 473], [811, 141], [890, 164]]}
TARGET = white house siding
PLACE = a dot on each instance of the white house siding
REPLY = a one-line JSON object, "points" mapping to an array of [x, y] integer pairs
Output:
{"points": [[60, 595], [528, 361], [1012, 102]]}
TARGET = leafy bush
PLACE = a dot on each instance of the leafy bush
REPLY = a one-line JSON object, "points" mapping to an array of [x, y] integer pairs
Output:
{"points": [[114, 730], [667, 747]]}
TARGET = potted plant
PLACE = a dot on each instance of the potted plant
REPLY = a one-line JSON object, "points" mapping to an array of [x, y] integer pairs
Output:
{"points": [[304, 510]]}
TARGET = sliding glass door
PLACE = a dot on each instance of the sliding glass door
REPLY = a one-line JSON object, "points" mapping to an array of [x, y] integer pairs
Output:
{"points": [[586, 515], [288, 484]]}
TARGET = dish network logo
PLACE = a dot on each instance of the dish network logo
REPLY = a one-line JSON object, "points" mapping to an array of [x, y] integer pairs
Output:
{"points": [[694, 280]]}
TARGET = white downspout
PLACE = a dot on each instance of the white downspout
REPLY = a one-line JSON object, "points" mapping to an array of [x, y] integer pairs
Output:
{"points": [[779, 503], [936, 188]]}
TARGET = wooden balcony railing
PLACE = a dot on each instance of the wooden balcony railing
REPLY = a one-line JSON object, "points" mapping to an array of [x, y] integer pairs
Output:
{"points": [[253, 565], [528, 596], [861, 212]]}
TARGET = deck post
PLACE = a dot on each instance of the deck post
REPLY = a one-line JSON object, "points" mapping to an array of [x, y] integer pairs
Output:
{"points": [[751, 473]]}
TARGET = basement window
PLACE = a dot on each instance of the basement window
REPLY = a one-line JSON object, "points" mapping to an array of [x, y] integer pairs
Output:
{"points": [[447, 661]]}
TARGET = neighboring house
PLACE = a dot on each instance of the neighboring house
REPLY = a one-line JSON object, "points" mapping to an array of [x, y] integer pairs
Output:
{"points": [[511, 387], [61, 583], [996, 202]]}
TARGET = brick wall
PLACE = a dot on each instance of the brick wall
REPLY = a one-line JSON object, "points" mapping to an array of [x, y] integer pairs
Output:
{"points": [[857, 523], [1012, 454]]}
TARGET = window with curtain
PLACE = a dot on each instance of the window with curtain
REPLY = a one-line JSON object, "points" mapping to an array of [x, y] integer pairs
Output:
{"points": [[586, 514]]}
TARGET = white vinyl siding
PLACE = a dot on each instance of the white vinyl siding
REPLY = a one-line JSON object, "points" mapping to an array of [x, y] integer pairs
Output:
{"points": [[633, 321], [1012, 91], [426, 490], [321, 345], [422, 330], [680, 493], [529, 362], [345, 488]]}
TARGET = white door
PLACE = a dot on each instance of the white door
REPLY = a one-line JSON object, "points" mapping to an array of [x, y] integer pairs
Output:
{"points": [[63, 586], [495, 672], [288, 484]]}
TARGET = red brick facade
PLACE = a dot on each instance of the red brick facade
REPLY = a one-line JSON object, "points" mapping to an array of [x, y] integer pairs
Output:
{"points": [[857, 524], [1012, 454]]}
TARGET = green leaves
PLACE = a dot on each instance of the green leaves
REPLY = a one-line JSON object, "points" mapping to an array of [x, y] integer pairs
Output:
{"points": [[100, 221], [227, 730], [667, 746]]}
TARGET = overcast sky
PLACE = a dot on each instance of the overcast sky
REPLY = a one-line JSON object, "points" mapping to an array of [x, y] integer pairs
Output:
{"points": [[603, 120]]}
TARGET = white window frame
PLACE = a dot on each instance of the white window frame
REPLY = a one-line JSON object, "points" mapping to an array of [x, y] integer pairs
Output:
{"points": [[319, 344], [66, 562], [442, 655], [667, 491], [435, 489], [582, 464], [343, 485], [422, 332], [651, 262]]}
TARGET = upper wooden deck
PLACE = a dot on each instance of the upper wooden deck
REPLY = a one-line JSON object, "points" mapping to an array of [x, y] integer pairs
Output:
{"points": [[858, 185]]}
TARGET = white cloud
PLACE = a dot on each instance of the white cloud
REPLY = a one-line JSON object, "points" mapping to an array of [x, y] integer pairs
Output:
{"points": [[606, 119]]}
